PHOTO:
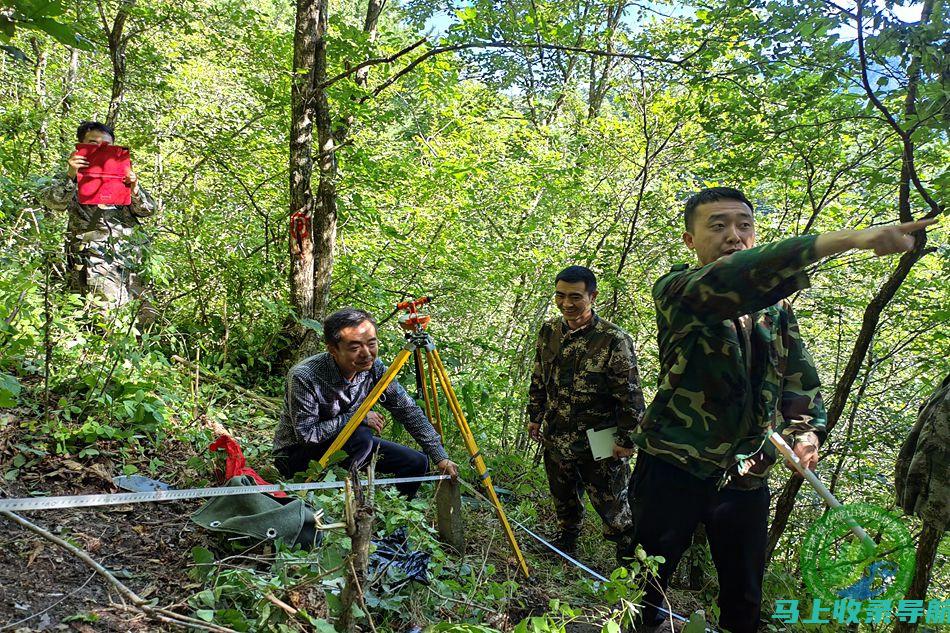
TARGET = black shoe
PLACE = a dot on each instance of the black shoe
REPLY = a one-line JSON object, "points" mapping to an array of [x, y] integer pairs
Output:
{"points": [[566, 542], [625, 552]]}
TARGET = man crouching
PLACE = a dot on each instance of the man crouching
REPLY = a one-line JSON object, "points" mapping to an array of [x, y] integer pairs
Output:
{"points": [[325, 390]]}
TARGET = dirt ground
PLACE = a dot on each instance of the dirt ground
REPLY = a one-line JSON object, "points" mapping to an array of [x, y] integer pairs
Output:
{"points": [[146, 546]]}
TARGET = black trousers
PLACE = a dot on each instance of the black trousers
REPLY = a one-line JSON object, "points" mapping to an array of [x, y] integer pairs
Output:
{"points": [[394, 459], [668, 503]]}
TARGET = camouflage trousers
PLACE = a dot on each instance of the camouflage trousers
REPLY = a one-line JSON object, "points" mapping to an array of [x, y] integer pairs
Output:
{"points": [[605, 481], [109, 281]]}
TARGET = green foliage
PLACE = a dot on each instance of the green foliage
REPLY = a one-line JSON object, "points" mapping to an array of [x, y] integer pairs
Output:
{"points": [[9, 390], [45, 16], [474, 178]]}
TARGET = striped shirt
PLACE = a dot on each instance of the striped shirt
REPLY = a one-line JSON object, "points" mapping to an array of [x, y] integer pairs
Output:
{"points": [[319, 401]]}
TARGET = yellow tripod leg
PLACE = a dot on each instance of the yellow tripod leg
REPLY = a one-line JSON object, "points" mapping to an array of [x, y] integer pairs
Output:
{"points": [[368, 404], [435, 398], [429, 399], [480, 468]]}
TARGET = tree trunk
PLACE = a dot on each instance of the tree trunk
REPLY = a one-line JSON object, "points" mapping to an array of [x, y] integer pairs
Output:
{"points": [[313, 216], [324, 218], [373, 10], [330, 139], [599, 76], [872, 314], [118, 42], [69, 83], [849, 431], [359, 527], [926, 553], [39, 70], [303, 105]]}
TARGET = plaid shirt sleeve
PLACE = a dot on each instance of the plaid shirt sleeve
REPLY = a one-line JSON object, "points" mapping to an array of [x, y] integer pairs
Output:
{"points": [[405, 410]]}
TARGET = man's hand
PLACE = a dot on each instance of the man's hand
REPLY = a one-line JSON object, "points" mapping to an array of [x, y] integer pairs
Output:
{"points": [[448, 467], [132, 181], [534, 431], [756, 464], [807, 454], [883, 240], [375, 421], [620, 451], [887, 240], [74, 163]]}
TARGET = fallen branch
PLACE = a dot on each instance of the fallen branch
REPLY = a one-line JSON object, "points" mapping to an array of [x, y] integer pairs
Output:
{"points": [[137, 601], [270, 403], [286, 608]]}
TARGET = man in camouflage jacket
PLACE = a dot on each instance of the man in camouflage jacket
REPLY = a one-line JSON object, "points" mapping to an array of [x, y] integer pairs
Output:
{"points": [[585, 377], [922, 482], [103, 247], [733, 367]]}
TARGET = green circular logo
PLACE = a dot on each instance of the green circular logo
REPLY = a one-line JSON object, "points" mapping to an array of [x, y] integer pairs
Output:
{"points": [[877, 565]]}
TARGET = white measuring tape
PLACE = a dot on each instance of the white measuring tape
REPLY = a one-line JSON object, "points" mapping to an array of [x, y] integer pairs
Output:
{"points": [[573, 560], [121, 498]]}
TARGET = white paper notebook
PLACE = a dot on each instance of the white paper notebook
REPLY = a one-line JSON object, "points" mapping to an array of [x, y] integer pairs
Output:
{"points": [[602, 442]]}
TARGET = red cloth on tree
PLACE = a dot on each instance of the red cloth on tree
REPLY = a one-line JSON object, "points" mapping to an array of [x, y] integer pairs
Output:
{"points": [[236, 464]]}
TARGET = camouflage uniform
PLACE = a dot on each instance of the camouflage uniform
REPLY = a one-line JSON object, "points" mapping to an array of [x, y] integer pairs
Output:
{"points": [[732, 363], [922, 476], [585, 379], [923, 465], [732, 367], [103, 247]]}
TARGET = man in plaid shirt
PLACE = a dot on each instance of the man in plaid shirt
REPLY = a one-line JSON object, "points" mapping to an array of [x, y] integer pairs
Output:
{"points": [[325, 390]]}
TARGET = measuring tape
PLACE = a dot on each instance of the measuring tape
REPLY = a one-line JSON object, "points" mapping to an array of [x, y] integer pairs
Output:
{"points": [[121, 498]]}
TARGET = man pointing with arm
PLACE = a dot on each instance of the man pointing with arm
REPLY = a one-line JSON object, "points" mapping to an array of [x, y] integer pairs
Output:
{"points": [[732, 367]]}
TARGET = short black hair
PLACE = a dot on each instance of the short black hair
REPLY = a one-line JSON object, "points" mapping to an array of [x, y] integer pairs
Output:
{"points": [[347, 317], [573, 274], [713, 194], [92, 126]]}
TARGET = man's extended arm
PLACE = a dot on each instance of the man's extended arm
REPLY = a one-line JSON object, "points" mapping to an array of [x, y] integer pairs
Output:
{"points": [[883, 240], [741, 283], [753, 279]]}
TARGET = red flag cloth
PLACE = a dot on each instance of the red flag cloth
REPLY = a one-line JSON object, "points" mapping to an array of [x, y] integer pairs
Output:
{"points": [[236, 465], [103, 181]]}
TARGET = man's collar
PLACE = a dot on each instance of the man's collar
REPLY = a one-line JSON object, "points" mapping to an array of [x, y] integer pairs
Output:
{"points": [[336, 376], [566, 329]]}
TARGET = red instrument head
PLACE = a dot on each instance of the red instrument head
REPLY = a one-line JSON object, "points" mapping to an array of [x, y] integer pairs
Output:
{"points": [[412, 305], [413, 321]]}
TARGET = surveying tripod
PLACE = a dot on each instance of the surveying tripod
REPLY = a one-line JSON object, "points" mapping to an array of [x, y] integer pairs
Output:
{"points": [[420, 345]]}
